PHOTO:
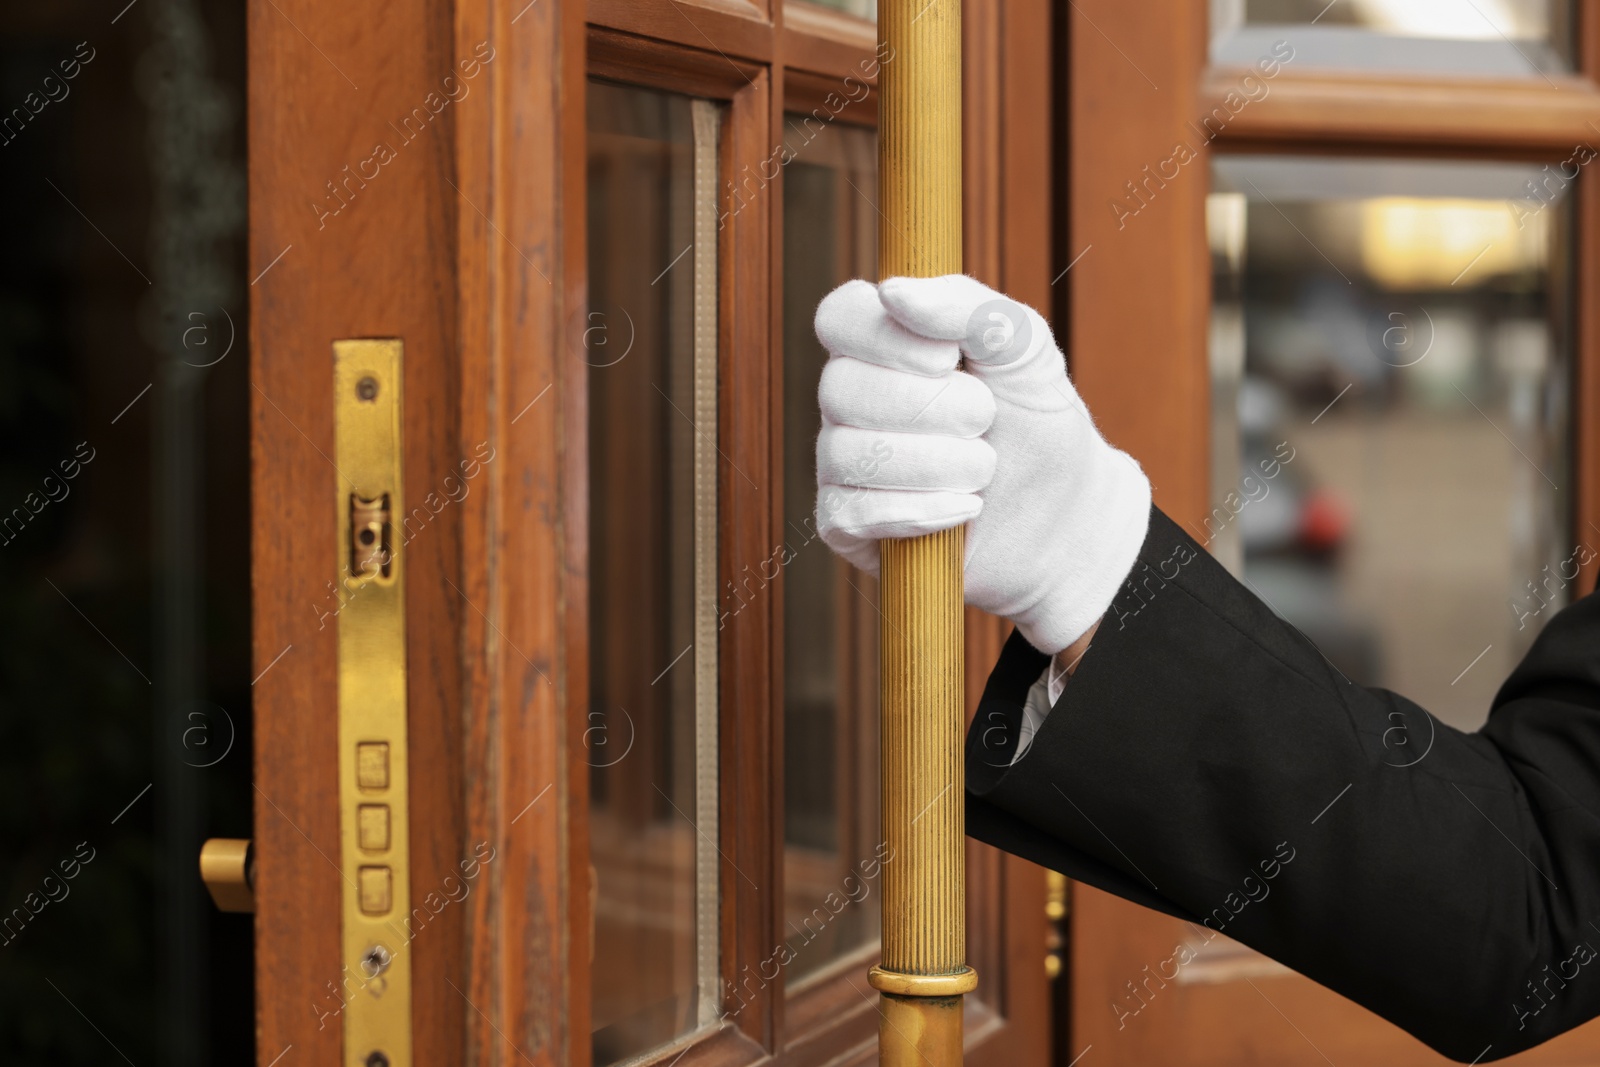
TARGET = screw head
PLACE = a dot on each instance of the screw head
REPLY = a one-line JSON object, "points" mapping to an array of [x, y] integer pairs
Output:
{"points": [[376, 961]]}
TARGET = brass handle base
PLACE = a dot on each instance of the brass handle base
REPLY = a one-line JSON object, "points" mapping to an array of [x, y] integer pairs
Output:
{"points": [[919, 1031], [923, 985]]}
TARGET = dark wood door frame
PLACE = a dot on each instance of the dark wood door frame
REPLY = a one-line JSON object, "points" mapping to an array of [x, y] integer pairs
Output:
{"points": [[464, 238]]}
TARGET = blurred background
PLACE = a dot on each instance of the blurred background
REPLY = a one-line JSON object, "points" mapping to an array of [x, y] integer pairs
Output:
{"points": [[124, 531], [1475, 38], [1391, 364], [1391, 386]]}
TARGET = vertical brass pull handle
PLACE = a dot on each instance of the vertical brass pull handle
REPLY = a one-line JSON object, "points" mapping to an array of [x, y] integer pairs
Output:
{"points": [[924, 972]]}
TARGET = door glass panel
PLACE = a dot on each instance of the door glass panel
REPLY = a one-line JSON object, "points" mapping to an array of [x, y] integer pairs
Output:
{"points": [[124, 536], [1391, 376], [1485, 38], [649, 339], [830, 618], [867, 9]]}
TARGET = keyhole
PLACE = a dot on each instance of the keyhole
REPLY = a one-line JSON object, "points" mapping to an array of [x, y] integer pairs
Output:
{"points": [[367, 388]]}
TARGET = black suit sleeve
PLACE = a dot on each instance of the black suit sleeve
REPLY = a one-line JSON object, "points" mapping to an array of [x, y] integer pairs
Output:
{"points": [[1207, 761]]}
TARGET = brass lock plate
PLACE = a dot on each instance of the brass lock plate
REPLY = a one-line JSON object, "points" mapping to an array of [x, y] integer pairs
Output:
{"points": [[373, 788]]}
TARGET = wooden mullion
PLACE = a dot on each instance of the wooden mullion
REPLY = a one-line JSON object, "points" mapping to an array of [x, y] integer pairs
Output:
{"points": [[1339, 109], [750, 761], [1136, 337], [823, 41], [774, 933], [829, 95], [667, 65], [735, 29], [526, 658]]}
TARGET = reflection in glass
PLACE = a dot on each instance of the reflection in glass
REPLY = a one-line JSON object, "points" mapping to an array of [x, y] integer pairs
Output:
{"points": [[125, 538], [1391, 395], [1485, 38], [867, 9], [649, 341], [830, 620]]}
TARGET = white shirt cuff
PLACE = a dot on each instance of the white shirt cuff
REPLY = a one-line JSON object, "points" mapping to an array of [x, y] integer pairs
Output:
{"points": [[1042, 696]]}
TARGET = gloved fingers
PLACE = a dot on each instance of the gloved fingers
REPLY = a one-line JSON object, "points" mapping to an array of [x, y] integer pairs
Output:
{"points": [[852, 321], [860, 551], [852, 515], [940, 308], [1006, 343], [865, 395], [877, 459]]}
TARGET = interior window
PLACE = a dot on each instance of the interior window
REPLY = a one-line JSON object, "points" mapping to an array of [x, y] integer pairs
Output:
{"points": [[867, 9], [830, 616], [1391, 377], [649, 340], [1485, 38]]}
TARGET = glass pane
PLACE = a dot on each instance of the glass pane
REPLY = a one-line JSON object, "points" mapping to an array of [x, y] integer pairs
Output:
{"points": [[125, 727], [830, 620], [1486, 38], [649, 339], [1392, 387], [867, 9]]}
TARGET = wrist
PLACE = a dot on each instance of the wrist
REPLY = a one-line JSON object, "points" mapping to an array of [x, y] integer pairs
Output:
{"points": [[1097, 544]]}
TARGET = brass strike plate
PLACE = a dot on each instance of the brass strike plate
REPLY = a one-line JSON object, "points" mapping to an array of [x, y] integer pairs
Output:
{"points": [[374, 836]]}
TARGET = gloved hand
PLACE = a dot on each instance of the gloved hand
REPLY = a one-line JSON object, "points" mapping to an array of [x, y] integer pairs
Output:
{"points": [[910, 445]]}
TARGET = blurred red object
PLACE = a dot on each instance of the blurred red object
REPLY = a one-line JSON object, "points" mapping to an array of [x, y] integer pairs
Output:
{"points": [[1323, 521]]}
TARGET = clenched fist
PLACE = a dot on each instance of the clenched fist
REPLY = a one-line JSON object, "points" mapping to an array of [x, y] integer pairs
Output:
{"points": [[911, 445]]}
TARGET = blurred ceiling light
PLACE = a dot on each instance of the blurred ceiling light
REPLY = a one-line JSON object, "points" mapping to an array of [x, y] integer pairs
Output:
{"points": [[1461, 20], [1411, 243], [1225, 227]]}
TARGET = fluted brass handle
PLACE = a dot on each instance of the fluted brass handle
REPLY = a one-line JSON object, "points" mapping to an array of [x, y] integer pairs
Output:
{"points": [[227, 866], [923, 974]]}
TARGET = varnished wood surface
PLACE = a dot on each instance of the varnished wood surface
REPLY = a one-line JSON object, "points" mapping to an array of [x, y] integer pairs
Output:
{"points": [[523, 773], [383, 266], [1138, 326], [465, 246], [1452, 113], [730, 28], [1010, 203]]}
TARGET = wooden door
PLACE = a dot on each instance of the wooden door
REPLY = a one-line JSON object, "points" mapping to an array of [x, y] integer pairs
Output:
{"points": [[598, 230], [1237, 183]]}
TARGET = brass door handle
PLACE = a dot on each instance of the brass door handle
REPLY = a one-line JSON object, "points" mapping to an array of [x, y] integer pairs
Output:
{"points": [[228, 868]]}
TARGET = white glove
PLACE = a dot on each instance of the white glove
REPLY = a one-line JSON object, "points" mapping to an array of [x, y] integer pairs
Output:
{"points": [[910, 445]]}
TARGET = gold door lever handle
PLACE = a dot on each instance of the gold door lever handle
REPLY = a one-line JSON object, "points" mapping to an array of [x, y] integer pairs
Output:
{"points": [[228, 868]]}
